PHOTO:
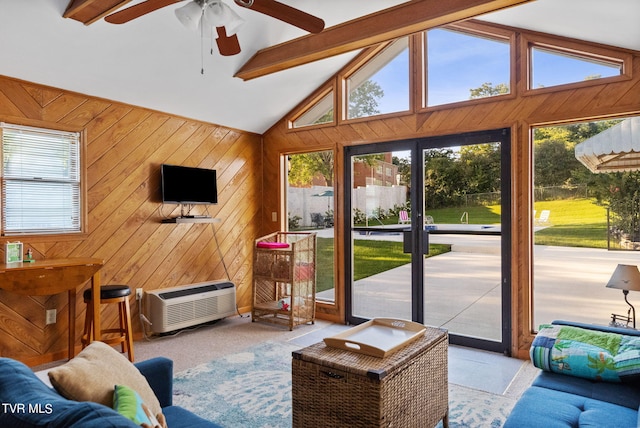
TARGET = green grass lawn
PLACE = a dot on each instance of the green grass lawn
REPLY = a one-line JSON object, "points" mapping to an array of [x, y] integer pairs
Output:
{"points": [[372, 257], [489, 214], [573, 223]]}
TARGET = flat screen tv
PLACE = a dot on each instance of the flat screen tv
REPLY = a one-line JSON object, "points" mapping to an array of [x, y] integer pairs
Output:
{"points": [[188, 185]]}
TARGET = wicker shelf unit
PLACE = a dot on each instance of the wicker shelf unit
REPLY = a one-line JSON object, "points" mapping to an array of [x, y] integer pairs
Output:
{"points": [[284, 279]]}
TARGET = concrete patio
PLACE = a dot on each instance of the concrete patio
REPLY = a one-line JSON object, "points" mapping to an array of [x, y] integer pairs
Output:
{"points": [[463, 286]]}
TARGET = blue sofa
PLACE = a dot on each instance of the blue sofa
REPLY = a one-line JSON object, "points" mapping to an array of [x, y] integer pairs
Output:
{"points": [[25, 401], [566, 395]]}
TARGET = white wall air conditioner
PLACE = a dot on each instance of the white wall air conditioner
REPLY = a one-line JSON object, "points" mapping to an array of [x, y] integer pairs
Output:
{"points": [[174, 308]]}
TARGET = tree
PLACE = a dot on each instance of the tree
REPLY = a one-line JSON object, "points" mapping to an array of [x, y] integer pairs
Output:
{"points": [[443, 179], [554, 163], [480, 164], [304, 167], [363, 100], [404, 169], [325, 118], [488, 90], [624, 201], [370, 160]]}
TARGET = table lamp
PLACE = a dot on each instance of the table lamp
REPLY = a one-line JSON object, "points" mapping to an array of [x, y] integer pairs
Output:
{"points": [[625, 278]]}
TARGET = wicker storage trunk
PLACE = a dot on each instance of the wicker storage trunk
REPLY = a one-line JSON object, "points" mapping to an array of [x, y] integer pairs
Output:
{"points": [[336, 388], [284, 279]]}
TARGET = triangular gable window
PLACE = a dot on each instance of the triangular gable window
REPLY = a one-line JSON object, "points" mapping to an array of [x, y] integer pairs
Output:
{"points": [[382, 84], [320, 112], [550, 67]]}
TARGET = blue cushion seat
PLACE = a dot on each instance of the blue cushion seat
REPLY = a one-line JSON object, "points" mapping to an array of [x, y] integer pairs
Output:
{"points": [[542, 407], [627, 395], [27, 402], [178, 417]]}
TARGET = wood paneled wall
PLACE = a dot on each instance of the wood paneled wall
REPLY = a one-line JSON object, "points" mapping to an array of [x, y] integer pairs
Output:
{"points": [[519, 111], [125, 146]]}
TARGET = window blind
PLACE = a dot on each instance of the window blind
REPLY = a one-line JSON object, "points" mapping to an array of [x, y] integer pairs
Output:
{"points": [[40, 180]]}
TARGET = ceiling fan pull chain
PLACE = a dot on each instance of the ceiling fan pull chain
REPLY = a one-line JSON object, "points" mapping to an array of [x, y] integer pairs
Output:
{"points": [[201, 49], [211, 41]]}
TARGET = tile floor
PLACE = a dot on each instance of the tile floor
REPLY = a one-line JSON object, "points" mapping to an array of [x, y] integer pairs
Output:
{"points": [[486, 371]]}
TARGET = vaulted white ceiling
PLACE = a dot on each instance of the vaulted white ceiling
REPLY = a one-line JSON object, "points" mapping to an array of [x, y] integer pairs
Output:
{"points": [[155, 62]]}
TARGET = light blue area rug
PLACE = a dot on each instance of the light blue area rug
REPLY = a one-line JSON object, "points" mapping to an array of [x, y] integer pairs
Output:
{"points": [[252, 389]]}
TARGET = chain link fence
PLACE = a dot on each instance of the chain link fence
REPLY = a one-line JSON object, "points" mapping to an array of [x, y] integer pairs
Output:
{"points": [[550, 193]]}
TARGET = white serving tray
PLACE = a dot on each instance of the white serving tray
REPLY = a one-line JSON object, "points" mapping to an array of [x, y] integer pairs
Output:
{"points": [[378, 337]]}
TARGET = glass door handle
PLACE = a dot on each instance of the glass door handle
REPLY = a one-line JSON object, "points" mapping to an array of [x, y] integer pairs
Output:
{"points": [[407, 241]]}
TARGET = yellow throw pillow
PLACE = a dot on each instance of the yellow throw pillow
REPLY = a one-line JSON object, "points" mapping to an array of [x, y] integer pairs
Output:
{"points": [[92, 374]]}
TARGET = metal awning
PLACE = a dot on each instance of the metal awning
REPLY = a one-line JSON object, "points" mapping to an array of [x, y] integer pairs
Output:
{"points": [[615, 150]]}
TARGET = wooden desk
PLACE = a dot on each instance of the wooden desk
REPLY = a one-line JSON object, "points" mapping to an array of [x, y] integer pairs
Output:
{"points": [[45, 277]]}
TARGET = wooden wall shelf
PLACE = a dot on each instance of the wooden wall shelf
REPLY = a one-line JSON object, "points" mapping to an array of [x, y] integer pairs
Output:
{"points": [[180, 220]]}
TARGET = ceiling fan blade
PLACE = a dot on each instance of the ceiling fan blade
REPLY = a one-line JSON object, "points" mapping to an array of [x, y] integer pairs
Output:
{"points": [[285, 13], [133, 12], [227, 45]]}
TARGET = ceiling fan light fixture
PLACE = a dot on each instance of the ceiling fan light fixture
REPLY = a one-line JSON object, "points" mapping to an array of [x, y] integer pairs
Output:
{"points": [[190, 15], [218, 14]]}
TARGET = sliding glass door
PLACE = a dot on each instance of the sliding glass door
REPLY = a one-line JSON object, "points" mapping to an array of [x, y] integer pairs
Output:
{"points": [[429, 232]]}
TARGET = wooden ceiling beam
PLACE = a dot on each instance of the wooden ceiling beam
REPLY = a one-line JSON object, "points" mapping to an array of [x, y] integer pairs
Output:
{"points": [[388, 24], [89, 11]]}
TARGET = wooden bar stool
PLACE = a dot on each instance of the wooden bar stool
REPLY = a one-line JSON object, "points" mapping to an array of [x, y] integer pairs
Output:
{"points": [[123, 334]]}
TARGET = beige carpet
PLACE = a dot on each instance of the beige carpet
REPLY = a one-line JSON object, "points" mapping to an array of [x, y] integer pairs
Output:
{"points": [[193, 347]]}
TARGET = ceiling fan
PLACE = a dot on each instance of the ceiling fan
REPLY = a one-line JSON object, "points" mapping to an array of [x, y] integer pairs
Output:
{"points": [[205, 14]]}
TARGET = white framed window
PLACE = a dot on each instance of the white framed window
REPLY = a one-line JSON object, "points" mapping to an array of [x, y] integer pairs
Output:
{"points": [[41, 189]]}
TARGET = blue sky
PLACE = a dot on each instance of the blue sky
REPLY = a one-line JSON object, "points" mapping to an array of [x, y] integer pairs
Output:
{"points": [[394, 80], [552, 69], [458, 63]]}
